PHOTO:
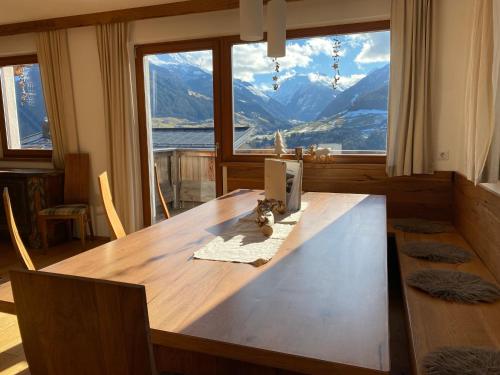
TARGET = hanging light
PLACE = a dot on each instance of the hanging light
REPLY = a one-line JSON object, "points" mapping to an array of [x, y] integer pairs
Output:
{"points": [[251, 20], [276, 28]]}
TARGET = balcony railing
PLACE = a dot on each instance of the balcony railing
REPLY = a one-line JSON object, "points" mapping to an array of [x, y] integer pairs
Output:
{"points": [[186, 176]]}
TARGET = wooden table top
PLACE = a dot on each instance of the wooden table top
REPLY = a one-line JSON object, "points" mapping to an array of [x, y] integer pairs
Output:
{"points": [[319, 306]]}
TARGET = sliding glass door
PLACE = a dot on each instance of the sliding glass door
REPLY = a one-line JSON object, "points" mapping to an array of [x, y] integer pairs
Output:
{"points": [[178, 124]]}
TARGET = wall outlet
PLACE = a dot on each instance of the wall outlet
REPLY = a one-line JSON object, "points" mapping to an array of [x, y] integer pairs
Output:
{"points": [[444, 155]]}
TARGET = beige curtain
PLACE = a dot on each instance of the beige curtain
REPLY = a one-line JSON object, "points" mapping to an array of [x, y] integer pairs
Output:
{"points": [[409, 148], [479, 115], [55, 70], [491, 172], [112, 42]]}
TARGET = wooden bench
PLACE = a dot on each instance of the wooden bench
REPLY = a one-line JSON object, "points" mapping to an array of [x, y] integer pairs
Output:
{"points": [[433, 323]]}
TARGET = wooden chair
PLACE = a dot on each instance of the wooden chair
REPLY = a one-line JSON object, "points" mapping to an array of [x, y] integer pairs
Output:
{"points": [[79, 326], [76, 198], [21, 251], [164, 206], [107, 201]]}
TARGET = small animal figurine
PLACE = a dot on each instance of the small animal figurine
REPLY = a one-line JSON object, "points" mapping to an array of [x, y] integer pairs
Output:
{"points": [[317, 154], [322, 153], [265, 214], [311, 150]]}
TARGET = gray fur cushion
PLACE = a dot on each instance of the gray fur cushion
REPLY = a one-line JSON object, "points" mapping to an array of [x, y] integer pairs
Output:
{"points": [[436, 252], [414, 225], [454, 286], [462, 361]]}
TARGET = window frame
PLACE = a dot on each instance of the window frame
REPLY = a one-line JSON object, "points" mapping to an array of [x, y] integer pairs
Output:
{"points": [[144, 50], [18, 154], [228, 154]]}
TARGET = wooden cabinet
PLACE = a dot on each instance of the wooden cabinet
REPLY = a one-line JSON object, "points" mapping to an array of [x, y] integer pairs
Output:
{"points": [[30, 191]]}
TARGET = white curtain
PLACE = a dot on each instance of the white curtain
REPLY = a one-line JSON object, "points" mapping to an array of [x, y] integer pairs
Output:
{"points": [[112, 41], [480, 92], [409, 147], [55, 70]]}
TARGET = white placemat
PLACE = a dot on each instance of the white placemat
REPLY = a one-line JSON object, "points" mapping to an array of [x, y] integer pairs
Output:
{"points": [[245, 243]]}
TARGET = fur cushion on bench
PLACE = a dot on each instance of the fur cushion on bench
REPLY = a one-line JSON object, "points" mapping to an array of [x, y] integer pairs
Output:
{"points": [[462, 361], [436, 252], [454, 286], [413, 225]]}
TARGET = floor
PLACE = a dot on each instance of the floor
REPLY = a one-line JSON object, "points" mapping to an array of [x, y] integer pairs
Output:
{"points": [[12, 361]]}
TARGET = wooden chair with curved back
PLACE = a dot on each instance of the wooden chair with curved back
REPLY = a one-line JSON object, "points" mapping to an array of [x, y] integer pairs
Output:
{"points": [[164, 206], [78, 326], [21, 251], [107, 201]]}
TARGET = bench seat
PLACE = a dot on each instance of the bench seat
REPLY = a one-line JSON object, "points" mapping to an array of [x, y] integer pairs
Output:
{"points": [[433, 323]]}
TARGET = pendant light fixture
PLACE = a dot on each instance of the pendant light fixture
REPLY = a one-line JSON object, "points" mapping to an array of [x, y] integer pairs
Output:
{"points": [[251, 20], [276, 28]]}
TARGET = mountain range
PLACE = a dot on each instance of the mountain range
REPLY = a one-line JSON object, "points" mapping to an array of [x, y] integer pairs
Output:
{"points": [[306, 111]]}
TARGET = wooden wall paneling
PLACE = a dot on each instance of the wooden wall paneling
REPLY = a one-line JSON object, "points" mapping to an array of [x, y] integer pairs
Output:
{"points": [[428, 196], [477, 217]]}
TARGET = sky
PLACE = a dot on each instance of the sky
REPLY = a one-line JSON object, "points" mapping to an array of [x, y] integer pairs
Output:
{"points": [[359, 55]]}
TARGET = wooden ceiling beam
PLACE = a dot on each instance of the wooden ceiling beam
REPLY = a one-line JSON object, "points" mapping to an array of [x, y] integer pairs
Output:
{"points": [[122, 15]]}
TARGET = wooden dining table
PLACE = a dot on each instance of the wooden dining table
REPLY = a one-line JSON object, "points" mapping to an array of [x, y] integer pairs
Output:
{"points": [[320, 306]]}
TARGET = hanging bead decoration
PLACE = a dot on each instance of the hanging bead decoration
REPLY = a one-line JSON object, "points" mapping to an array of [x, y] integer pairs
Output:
{"points": [[276, 84], [25, 85], [336, 63]]}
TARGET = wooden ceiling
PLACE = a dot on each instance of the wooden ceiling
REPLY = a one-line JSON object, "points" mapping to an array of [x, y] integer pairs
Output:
{"points": [[168, 9]]}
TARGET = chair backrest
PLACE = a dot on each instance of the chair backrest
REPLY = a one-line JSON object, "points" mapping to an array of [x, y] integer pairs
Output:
{"points": [[164, 206], [75, 325], [76, 178], [107, 201], [23, 255]]}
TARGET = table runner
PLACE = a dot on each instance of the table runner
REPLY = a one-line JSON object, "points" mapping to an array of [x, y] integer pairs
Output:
{"points": [[245, 243]]}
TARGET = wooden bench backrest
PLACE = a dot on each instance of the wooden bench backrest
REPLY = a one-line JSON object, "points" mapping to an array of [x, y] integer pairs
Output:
{"points": [[73, 325]]}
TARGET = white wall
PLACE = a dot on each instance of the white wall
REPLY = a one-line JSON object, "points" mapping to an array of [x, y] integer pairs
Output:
{"points": [[90, 112], [299, 14], [450, 35]]}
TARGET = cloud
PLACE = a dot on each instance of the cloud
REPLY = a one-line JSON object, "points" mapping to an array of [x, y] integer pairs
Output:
{"points": [[319, 78], [375, 47], [201, 59], [344, 83], [251, 59], [347, 81]]}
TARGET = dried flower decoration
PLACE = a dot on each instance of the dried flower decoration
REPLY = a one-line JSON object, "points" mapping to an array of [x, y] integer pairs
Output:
{"points": [[276, 84], [336, 63], [25, 84]]}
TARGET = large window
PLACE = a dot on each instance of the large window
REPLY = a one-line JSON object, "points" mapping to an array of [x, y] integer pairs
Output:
{"points": [[179, 99], [181, 103], [24, 127], [301, 98]]}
